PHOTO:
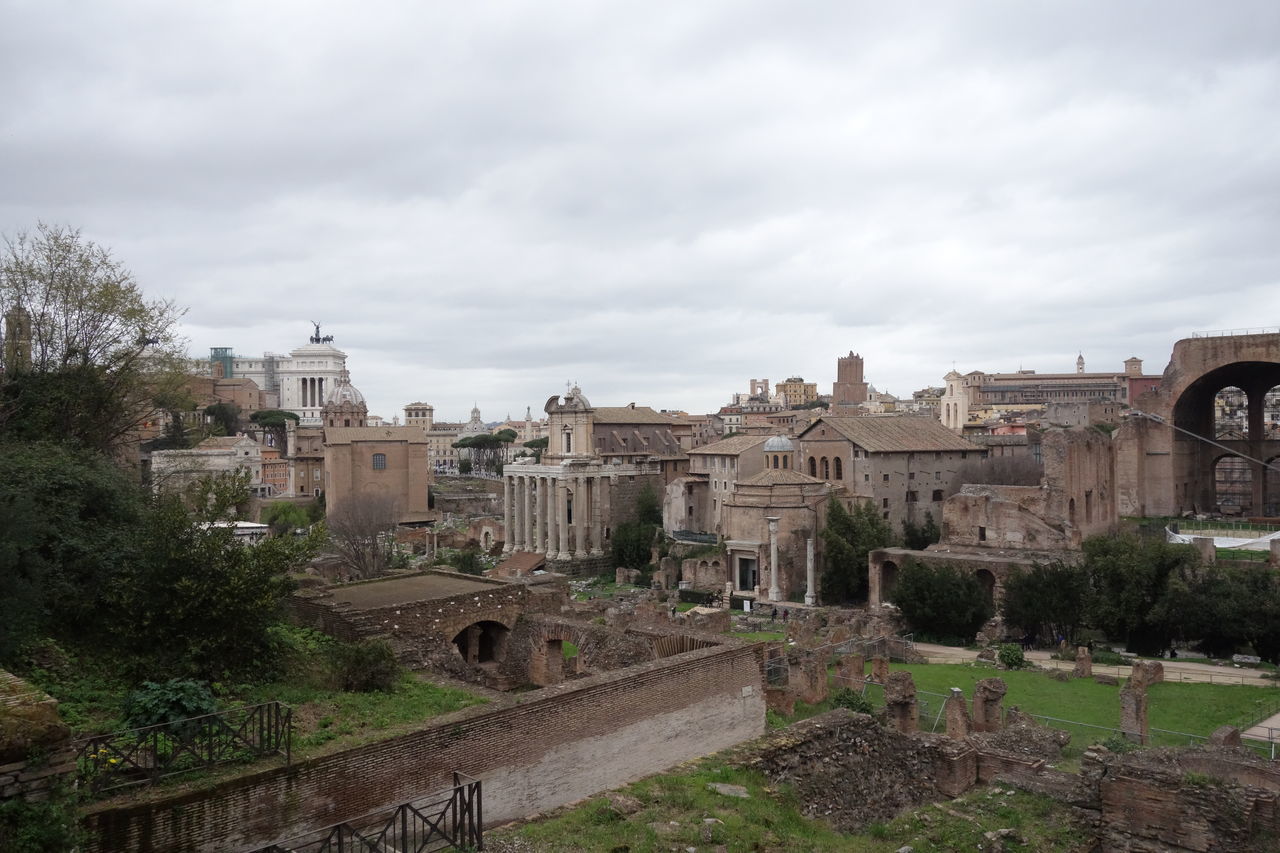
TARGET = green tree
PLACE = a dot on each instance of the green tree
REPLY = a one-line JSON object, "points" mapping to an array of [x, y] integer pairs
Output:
{"points": [[274, 423], [197, 603], [630, 545], [537, 445], [224, 418], [941, 601], [285, 517], [68, 523], [1129, 579], [1049, 600], [917, 537], [847, 540], [648, 508], [102, 356]]}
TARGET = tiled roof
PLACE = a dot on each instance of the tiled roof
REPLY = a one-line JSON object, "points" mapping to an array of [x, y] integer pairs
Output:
{"points": [[630, 415], [346, 435], [780, 477], [893, 433], [221, 441], [732, 446]]}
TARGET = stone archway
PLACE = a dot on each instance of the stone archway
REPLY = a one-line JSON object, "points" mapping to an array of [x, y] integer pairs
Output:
{"points": [[482, 642], [987, 580]]}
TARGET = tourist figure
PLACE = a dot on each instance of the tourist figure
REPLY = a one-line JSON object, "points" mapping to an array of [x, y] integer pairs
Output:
{"points": [[784, 615], [773, 614]]}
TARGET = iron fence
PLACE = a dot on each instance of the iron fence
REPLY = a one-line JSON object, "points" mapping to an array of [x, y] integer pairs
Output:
{"points": [[451, 819], [145, 755]]}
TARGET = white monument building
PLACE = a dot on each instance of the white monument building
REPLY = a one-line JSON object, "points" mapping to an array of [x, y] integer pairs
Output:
{"points": [[299, 382]]}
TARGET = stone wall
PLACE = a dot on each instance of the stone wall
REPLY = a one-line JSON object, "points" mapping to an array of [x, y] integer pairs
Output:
{"points": [[557, 745], [30, 725]]}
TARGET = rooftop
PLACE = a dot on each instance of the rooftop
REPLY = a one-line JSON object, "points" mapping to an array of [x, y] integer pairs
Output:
{"points": [[346, 435], [893, 433], [731, 446], [382, 593], [631, 414]]}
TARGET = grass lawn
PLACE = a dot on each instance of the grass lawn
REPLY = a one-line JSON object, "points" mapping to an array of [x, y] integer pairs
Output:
{"points": [[569, 649], [685, 606], [1192, 708], [321, 716], [677, 811]]}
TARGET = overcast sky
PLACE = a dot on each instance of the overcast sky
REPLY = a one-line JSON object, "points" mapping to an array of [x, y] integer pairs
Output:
{"points": [[660, 201]]}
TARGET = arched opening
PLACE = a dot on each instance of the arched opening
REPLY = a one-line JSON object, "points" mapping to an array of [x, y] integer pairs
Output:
{"points": [[839, 469], [888, 579], [775, 460], [1231, 414], [1233, 486], [486, 540], [1071, 510], [482, 643], [786, 460], [988, 582], [826, 468], [813, 467]]}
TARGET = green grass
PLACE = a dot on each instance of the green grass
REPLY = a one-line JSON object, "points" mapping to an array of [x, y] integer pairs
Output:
{"points": [[322, 716], [570, 650], [760, 636], [1191, 708], [674, 810], [685, 606]]}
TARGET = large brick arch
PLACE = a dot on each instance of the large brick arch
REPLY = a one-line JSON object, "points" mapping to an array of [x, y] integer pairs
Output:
{"points": [[1166, 471]]}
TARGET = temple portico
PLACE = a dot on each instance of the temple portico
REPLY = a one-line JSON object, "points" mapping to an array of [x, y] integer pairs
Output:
{"points": [[562, 510]]}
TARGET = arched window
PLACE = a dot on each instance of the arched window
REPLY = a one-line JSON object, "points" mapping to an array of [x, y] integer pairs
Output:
{"points": [[786, 462], [813, 467], [839, 469], [826, 469], [775, 460], [379, 461]]}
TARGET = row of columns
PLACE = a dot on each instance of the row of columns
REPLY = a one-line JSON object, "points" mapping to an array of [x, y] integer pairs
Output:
{"points": [[536, 514], [312, 392]]}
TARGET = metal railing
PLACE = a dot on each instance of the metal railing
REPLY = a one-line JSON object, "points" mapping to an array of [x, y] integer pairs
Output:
{"points": [[1230, 333], [146, 755], [451, 819]]}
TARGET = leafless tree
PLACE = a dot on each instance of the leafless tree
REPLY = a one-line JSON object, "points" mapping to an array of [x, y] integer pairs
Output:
{"points": [[361, 530]]}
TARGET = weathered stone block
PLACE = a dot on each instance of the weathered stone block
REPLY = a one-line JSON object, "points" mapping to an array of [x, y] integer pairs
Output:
{"points": [[1084, 663], [988, 696]]}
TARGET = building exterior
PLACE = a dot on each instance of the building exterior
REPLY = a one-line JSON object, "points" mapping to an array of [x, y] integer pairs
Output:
{"points": [[298, 382], [695, 501], [383, 461], [796, 392], [905, 466], [772, 522], [587, 483], [174, 470], [1026, 389], [850, 387]]}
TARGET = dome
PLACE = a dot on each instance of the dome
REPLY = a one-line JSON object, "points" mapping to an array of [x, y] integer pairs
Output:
{"points": [[344, 392], [778, 444]]}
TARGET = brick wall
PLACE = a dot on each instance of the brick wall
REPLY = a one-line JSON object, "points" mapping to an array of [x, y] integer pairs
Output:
{"points": [[559, 744]]}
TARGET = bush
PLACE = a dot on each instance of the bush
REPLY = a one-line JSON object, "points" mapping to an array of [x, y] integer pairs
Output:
{"points": [[365, 666], [1011, 656], [166, 702], [847, 697], [38, 827], [1119, 744]]}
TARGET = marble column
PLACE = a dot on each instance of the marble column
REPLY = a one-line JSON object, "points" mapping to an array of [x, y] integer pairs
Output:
{"points": [[581, 516], [775, 588], [508, 514], [810, 574], [597, 517], [539, 500], [562, 519]]}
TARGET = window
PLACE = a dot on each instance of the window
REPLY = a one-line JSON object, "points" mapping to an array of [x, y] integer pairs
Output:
{"points": [[379, 461], [826, 469], [912, 497], [911, 475], [884, 502], [839, 469], [937, 495], [786, 462], [813, 467], [886, 478], [866, 478], [982, 534]]}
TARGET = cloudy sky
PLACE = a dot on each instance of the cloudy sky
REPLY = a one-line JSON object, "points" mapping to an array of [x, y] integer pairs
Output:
{"points": [[661, 200]]}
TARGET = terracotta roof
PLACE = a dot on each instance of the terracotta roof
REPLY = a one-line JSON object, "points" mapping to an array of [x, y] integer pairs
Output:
{"points": [[732, 446], [780, 477], [520, 563], [346, 435], [894, 433], [630, 415]]}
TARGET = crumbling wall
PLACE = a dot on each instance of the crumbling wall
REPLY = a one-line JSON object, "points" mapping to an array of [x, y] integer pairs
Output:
{"points": [[850, 771]]}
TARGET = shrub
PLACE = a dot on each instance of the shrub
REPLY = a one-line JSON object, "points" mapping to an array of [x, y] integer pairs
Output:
{"points": [[36, 827], [365, 666], [1119, 744], [847, 697], [166, 702], [1011, 656]]}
